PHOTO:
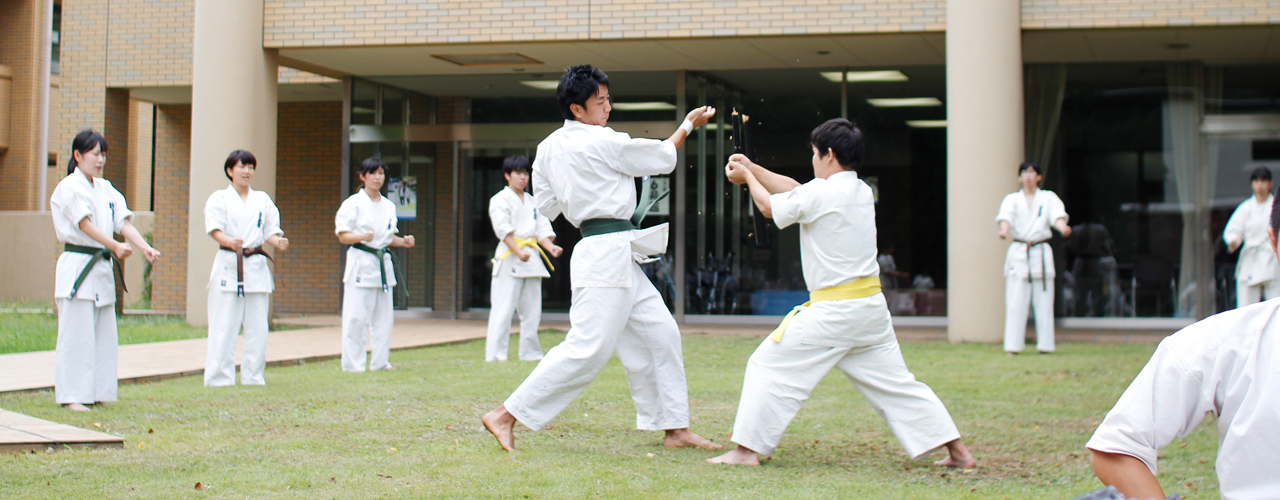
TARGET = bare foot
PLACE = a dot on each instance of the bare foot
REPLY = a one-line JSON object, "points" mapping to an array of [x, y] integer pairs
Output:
{"points": [[682, 438], [501, 424], [957, 456], [76, 407], [1011, 353], [739, 456]]}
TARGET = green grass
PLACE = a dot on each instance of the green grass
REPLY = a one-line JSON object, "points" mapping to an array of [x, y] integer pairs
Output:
{"points": [[26, 332], [315, 432]]}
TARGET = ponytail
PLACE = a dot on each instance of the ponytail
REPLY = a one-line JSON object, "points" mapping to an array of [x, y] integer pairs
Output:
{"points": [[85, 142]]}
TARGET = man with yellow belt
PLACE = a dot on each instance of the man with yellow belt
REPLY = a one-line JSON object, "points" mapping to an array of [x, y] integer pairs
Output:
{"points": [[517, 264], [845, 324]]}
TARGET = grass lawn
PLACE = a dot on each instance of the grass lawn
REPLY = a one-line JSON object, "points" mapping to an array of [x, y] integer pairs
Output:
{"points": [[26, 332], [315, 432]]}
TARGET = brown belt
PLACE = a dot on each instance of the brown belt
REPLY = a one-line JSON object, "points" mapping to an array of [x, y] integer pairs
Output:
{"points": [[244, 252], [1044, 266]]}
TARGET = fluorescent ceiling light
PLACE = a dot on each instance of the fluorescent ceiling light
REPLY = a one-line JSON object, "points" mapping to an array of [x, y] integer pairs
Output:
{"points": [[541, 84], [927, 123], [643, 106], [486, 59], [906, 102], [867, 76]]}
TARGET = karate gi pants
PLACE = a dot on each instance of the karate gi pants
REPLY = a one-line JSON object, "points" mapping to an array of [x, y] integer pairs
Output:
{"points": [[1249, 295], [635, 324], [780, 376], [84, 362], [366, 315], [523, 296], [1018, 294], [227, 312]]}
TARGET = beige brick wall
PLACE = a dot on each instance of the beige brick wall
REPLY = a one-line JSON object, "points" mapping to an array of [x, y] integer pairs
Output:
{"points": [[20, 50], [173, 158], [308, 193], [1041, 14]]}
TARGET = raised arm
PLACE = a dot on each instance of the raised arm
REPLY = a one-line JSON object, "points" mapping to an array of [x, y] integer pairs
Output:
{"points": [[773, 183], [698, 117], [739, 173]]}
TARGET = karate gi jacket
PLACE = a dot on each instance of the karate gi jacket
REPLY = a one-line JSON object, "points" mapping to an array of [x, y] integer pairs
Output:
{"points": [[253, 220], [516, 215], [1030, 223], [1248, 227], [359, 214], [73, 200]]}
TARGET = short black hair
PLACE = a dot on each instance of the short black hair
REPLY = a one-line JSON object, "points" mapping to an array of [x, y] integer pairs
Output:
{"points": [[516, 163], [843, 138], [240, 156], [1263, 173], [371, 165], [577, 85], [1031, 165], [85, 141]]}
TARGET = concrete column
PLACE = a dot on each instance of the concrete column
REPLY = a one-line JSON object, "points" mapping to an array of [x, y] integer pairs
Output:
{"points": [[233, 106], [984, 147]]}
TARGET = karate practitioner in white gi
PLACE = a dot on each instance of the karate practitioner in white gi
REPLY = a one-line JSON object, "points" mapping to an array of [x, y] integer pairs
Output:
{"points": [[367, 222], [587, 172], [1224, 365], [846, 323], [517, 264], [1027, 215], [87, 211], [1256, 271], [241, 220]]}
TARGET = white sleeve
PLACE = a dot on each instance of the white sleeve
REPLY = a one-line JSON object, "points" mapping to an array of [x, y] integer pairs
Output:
{"points": [[271, 226], [543, 229], [1057, 210], [1234, 233], [500, 216], [639, 157], [121, 211], [215, 213], [74, 204], [802, 204], [1006, 210], [345, 220], [395, 218], [544, 196], [1166, 401]]}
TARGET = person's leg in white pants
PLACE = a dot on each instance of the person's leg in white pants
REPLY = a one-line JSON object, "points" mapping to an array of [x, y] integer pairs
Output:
{"points": [[357, 309], [1246, 294], [651, 353], [503, 291], [86, 352], [226, 314], [380, 331], [254, 361], [529, 307], [1042, 304], [1017, 299]]}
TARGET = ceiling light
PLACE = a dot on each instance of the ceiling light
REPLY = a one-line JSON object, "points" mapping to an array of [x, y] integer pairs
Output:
{"points": [[542, 84], [867, 76], [927, 123], [486, 59], [643, 106], [905, 102]]}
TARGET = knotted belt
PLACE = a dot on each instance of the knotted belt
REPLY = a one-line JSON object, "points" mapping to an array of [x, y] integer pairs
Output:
{"points": [[382, 269], [525, 242], [593, 227], [244, 252], [95, 254], [856, 289], [1044, 267]]}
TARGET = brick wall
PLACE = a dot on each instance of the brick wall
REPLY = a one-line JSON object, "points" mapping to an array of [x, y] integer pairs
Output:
{"points": [[83, 63], [140, 127], [115, 128], [20, 51], [1039, 14], [448, 274], [150, 42], [308, 192], [172, 179]]}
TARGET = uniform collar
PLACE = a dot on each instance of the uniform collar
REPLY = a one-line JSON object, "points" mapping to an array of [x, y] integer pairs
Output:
{"points": [[83, 179], [843, 175]]}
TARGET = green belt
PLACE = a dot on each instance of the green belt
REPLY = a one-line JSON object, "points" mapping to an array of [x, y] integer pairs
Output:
{"points": [[96, 254], [382, 269], [593, 227]]}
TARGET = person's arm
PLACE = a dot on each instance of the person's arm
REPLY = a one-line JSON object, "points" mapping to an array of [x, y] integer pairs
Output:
{"points": [[510, 240], [739, 174], [1004, 229], [397, 241], [772, 183], [226, 241], [275, 235], [553, 249], [1127, 474], [350, 238], [132, 235], [1062, 227], [280, 242], [121, 250], [1234, 232], [698, 117]]}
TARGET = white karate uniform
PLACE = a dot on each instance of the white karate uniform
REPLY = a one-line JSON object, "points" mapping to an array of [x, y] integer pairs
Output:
{"points": [[366, 307], [516, 284], [253, 220], [585, 172], [837, 246], [1257, 269], [1029, 223], [1225, 365], [85, 359]]}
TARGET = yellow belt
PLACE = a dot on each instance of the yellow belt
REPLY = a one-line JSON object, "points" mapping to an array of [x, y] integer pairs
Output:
{"points": [[857, 289], [526, 242]]}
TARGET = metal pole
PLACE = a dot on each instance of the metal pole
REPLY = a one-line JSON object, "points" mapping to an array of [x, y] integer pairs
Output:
{"points": [[678, 201], [42, 160]]}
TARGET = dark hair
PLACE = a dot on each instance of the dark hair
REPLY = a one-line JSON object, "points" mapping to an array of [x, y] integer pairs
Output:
{"points": [[516, 163], [843, 138], [1263, 173], [1275, 216], [1031, 165], [239, 156], [84, 142], [371, 165], [577, 85]]}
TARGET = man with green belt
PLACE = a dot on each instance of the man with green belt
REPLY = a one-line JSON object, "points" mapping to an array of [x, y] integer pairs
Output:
{"points": [[586, 171]]}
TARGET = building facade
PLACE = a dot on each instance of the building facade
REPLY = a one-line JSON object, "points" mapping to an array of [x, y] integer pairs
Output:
{"points": [[1147, 115]]}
